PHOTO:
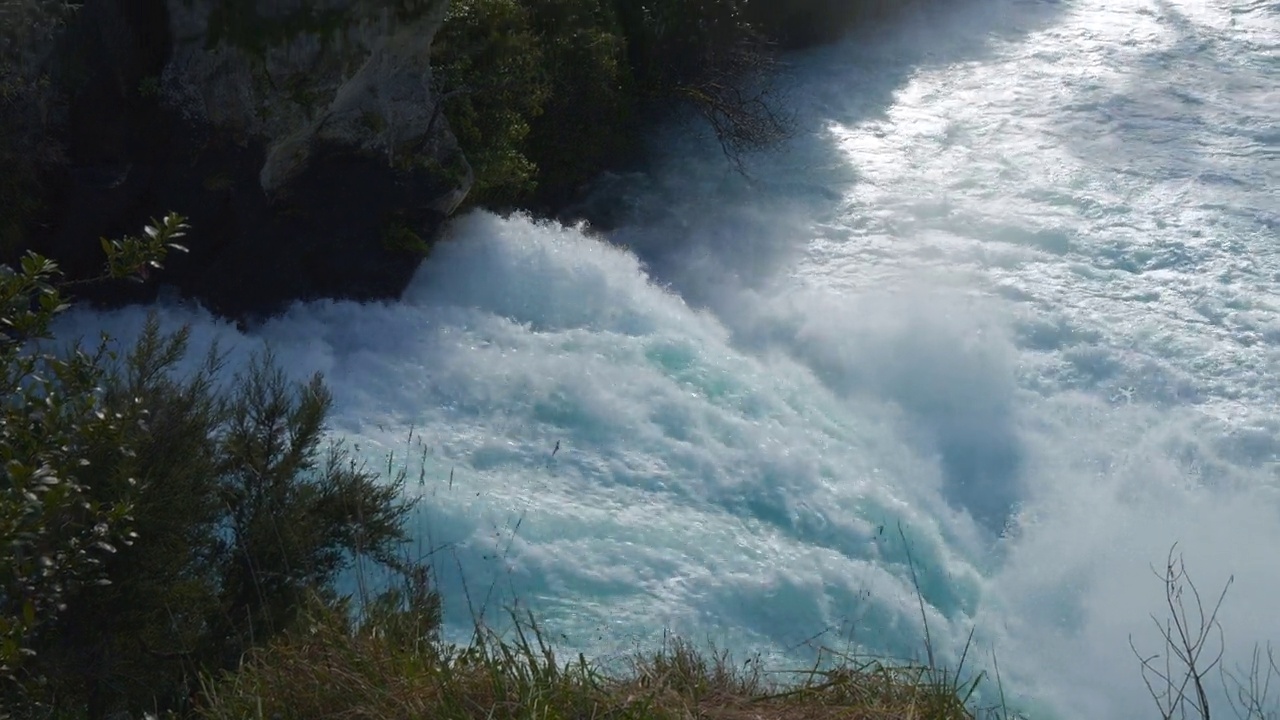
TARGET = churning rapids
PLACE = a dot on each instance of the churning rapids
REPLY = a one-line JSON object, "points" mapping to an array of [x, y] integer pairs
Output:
{"points": [[1014, 287]]}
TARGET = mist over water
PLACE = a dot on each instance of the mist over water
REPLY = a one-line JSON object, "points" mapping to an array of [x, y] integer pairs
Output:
{"points": [[1012, 288]]}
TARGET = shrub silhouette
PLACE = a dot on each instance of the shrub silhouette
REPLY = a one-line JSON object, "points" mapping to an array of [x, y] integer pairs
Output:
{"points": [[159, 524]]}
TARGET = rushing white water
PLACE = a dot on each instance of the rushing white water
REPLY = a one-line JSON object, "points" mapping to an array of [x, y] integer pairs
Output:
{"points": [[1012, 288]]}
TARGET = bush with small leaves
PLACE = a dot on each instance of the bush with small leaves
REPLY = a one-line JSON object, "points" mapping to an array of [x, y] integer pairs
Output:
{"points": [[155, 524], [543, 94], [54, 533], [29, 30], [486, 66]]}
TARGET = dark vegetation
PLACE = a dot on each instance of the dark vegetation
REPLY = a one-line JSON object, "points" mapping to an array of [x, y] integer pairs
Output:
{"points": [[156, 525], [28, 34], [544, 94]]}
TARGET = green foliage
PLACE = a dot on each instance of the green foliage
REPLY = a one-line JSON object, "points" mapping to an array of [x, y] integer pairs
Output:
{"points": [[241, 513], [400, 237], [134, 257], [28, 31], [591, 119], [543, 94], [155, 524], [798, 23], [487, 63], [709, 55], [55, 534], [672, 42], [238, 23], [410, 10]]}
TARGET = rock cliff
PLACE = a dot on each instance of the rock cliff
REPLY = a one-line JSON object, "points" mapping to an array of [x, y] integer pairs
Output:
{"points": [[302, 138]]}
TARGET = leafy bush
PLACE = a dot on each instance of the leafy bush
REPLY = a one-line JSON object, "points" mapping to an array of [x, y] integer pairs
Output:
{"points": [[154, 527], [590, 119], [487, 67], [54, 532], [28, 30], [543, 94]]}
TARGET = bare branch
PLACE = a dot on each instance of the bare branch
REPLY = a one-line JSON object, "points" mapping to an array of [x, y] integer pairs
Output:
{"points": [[1187, 633], [738, 99]]}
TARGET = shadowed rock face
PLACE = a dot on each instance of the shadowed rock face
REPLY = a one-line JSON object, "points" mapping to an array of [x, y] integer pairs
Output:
{"points": [[802, 23], [301, 137]]}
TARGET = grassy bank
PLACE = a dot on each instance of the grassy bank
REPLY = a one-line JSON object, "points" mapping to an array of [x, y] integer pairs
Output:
{"points": [[331, 668]]}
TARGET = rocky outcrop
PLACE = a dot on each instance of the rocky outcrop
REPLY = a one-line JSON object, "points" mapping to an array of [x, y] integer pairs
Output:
{"points": [[302, 139]]}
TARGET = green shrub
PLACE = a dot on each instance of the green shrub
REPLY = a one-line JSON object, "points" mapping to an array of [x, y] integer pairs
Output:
{"points": [[240, 514], [54, 535], [487, 66], [55, 422], [709, 55], [544, 94], [673, 42], [28, 33], [590, 120], [798, 23], [153, 526]]}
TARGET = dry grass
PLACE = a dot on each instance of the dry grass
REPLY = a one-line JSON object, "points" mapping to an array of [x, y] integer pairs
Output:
{"points": [[331, 669], [391, 665]]}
